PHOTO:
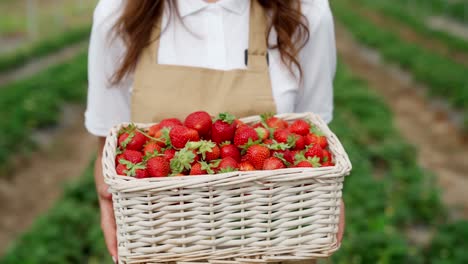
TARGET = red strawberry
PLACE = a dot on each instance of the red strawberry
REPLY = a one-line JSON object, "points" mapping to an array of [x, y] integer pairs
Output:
{"points": [[273, 163], [230, 150], [170, 123], [180, 135], [154, 129], [297, 142], [281, 135], [227, 164], [162, 137], [121, 169], [259, 124], [314, 151], [290, 156], [141, 174], [131, 169], [304, 164], [118, 158], [257, 154], [243, 135], [183, 160], [327, 156], [197, 169], [133, 139], [223, 128], [274, 122], [328, 164], [268, 141], [151, 147], [312, 139], [246, 166], [300, 127], [158, 167], [263, 133], [239, 123], [244, 158], [169, 154], [213, 154], [200, 121], [133, 156]]}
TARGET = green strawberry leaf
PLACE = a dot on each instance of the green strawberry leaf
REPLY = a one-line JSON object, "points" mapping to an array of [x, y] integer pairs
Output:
{"points": [[226, 117]]}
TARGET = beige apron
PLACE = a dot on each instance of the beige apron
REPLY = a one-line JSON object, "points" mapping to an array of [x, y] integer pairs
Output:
{"points": [[163, 91]]}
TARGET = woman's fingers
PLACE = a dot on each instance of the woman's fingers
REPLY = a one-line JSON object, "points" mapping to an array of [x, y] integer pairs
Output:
{"points": [[341, 225], [108, 227]]}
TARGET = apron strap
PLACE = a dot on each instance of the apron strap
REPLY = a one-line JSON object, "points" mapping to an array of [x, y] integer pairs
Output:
{"points": [[258, 30], [258, 46]]}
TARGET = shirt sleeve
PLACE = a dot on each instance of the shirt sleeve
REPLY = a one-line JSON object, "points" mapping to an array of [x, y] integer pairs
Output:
{"points": [[318, 61], [107, 105]]}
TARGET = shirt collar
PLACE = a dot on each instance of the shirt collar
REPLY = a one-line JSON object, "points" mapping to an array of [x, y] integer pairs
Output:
{"points": [[188, 7]]}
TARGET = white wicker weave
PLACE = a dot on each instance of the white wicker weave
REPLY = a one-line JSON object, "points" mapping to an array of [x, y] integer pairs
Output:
{"points": [[238, 217]]}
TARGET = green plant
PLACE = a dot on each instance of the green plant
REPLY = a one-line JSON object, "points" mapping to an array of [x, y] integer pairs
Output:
{"points": [[42, 48]]}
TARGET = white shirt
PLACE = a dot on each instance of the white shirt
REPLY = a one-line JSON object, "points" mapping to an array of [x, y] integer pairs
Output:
{"points": [[217, 35]]}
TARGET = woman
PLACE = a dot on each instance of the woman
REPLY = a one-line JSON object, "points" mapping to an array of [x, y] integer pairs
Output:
{"points": [[151, 59]]}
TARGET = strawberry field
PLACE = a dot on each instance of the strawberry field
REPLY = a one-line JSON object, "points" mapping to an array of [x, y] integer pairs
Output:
{"points": [[401, 206]]}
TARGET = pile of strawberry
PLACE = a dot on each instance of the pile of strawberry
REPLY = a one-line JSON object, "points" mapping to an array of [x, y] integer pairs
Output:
{"points": [[200, 145]]}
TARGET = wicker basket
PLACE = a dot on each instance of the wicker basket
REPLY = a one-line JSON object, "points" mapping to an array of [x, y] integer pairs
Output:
{"points": [[237, 217]]}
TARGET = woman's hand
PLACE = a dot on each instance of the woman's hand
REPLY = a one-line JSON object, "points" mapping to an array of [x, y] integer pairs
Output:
{"points": [[341, 225], [105, 203]]}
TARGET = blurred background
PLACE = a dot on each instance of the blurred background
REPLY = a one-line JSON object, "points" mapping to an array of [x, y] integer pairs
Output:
{"points": [[401, 110]]}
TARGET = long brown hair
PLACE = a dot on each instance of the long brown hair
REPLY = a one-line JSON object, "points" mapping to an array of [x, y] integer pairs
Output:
{"points": [[138, 18]]}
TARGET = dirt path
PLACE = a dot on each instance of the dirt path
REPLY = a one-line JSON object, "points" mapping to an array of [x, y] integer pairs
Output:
{"points": [[408, 34], [448, 25], [440, 147], [34, 188], [42, 63]]}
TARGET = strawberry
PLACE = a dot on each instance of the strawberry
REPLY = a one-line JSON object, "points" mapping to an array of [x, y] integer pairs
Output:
{"points": [[268, 141], [246, 166], [290, 156], [301, 159], [214, 154], [208, 149], [227, 164], [273, 163], [141, 174], [132, 139], [304, 164], [128, 168], [169, 154], [281, 135], [297, 142], [314, 151], [170, 123], [151, 147], [180, 135], [312, 139], [257, 154], [183, 160], [197, 169], [328, 164], [154, 129], [274, 122], [121, 169], [158, 167], [133, 156], [327, 156], [119, 157], [162, 137], [243, 135], [229, 150], [223, 128], [300, 127], [200, 121], [263, 133]]}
